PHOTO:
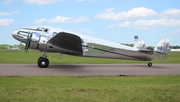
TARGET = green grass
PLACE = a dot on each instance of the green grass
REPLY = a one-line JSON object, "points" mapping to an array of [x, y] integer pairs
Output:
{"points": [[7, 56], [86, 89], [90, 89]]}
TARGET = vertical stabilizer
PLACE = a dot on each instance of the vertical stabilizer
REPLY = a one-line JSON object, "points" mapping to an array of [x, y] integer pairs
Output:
{"points": [[162, 49], [140, 45]]}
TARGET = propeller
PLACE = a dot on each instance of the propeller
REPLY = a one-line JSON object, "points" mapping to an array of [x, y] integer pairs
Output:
{"points": [[29, 39]]}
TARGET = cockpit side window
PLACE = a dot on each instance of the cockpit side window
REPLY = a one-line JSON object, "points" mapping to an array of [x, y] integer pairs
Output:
{"points": [[40, 28], [43, 29], [55, 33], [23, 33]]}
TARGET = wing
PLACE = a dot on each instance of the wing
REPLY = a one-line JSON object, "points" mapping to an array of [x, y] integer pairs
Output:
{"points": [[67, 43]]}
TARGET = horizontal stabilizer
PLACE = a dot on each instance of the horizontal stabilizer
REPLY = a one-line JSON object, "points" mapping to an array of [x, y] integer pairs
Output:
{"points": [[147, 51]]}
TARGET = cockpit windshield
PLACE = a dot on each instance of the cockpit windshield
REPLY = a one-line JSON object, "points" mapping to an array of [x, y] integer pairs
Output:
{"points": [[43, 29]]}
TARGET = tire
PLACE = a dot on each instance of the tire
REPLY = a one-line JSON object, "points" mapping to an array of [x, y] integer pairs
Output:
{"points": [[43, 62], [149, 64]]}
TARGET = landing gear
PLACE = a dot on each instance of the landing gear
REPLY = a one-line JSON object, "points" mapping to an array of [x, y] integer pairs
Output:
{"points": [[43, 62], [149, 64]]}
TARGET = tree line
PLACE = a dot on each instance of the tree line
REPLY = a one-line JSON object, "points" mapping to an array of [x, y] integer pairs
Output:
{"points": [[5, 46]]}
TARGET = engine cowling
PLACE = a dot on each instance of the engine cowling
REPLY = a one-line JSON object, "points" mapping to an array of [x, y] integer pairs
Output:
{"points": [[39, 41]]}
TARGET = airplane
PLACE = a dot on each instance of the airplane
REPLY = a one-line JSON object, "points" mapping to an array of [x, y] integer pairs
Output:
{"points": [[13, 49], [50, 39]]}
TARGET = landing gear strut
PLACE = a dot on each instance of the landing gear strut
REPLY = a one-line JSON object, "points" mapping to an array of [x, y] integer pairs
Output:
{"points": [[149, 64], [43, 62]]}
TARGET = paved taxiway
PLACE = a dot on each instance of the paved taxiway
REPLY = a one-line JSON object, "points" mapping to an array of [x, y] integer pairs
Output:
{"points": [[88, 69]]}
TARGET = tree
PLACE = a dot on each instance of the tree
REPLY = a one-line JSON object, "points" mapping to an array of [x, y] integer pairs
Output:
{"points": [[150, 48], [3, 46]]}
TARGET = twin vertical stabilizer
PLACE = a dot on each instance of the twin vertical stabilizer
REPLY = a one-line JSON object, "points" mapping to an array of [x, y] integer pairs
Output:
{"points": [[162, 49]]}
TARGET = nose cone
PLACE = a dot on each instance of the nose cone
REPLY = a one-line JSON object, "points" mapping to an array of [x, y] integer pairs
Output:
{"points": [[15, 33]]}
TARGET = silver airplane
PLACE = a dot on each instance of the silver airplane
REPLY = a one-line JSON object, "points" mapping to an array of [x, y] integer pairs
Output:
{"points": [[49, 39], [14, 48]]}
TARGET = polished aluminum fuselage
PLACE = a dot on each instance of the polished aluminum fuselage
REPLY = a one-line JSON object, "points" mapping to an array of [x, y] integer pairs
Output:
{"points": [[91, 47]]}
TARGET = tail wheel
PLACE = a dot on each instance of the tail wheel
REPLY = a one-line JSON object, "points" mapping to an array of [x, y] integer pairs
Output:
{"points": [[149, 64], [43, 62]]}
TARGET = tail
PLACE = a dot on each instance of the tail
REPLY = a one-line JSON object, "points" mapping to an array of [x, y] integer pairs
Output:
{"points": [[162, 49], [140, 45]]}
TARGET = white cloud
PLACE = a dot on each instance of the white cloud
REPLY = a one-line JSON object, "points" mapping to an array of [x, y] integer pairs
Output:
{"points": [[176, 32], [125, 24], [148, 24], [7, 1], [40, 20], [40, 2], [170, 13], [6, 22], [82, 31], [135, 13], [61, 19], [8, 13], [156, 23]]}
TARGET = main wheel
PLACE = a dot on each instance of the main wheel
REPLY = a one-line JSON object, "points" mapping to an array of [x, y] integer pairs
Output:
{"points": [[149, 64], [43, 62]]}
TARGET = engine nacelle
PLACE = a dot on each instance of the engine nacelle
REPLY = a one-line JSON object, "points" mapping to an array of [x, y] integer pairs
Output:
{"points": [[39, 41]]}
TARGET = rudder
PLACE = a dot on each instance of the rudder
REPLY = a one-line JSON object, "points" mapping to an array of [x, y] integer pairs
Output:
{"points": [[162, 49]]}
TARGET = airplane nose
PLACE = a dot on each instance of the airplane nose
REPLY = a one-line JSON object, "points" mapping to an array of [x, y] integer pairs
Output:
{"points": [[16, 36], [15, 33], [20, 35]]}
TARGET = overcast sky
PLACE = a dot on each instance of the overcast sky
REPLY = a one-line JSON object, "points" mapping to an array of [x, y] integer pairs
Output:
{"points": [[113, 20]]}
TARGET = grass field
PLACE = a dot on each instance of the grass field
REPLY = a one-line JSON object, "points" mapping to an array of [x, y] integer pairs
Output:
{"points": [[90, 89], [86, 89], [7, 56]]}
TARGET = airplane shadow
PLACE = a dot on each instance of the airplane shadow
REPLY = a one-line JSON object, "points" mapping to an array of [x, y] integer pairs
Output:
{"points": [[81, 66], [68, 66], [155, 66]]}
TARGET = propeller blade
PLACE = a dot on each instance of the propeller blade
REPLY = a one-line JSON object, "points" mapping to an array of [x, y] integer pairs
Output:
{"points": [[29, 39], [28, 43]]}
